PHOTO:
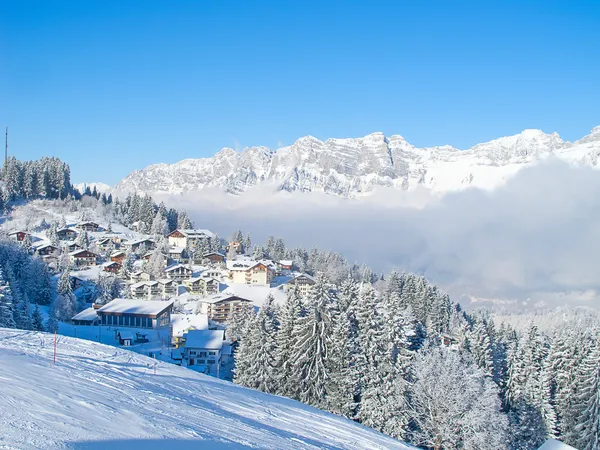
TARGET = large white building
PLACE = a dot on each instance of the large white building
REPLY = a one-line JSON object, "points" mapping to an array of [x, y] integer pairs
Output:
{"points": [[187, 238], [202, 350], [249, 272]]}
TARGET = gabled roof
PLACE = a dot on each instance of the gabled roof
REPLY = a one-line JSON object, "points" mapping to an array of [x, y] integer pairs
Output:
{"points": [[139, 241], [177, 250], [177, 266], [222, 297], [110, 263], [188, 232], [117, 253], [165, 281], [46, 245], [77, 252], [67, 229], [286, 262], [87, 222], [142, 307], [18, 231], [144, 283], [209, 339]]}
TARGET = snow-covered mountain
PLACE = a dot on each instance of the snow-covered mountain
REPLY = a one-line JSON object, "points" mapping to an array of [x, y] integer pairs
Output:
{"points": [[353, 167], [98, 397], [100, 187]]}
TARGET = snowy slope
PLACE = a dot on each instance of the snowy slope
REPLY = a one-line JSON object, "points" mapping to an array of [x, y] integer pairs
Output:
{"points": [[99, 397], [353, 167]]}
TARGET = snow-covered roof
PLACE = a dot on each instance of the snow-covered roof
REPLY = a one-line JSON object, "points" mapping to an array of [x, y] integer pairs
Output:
{"points": [[142, 307], [67, 229], [126, 335], [17, 232], [117, 253], [553, 444], [196, 232], [165, 281], [76, 252], [286, 262], [241, 265], [144, 283], [87, 315], [209, 339], [216, 298], [176, 266], [45, 245], [256, 294], [139, 241], [110, 263], [176, 250], [183, 322]]}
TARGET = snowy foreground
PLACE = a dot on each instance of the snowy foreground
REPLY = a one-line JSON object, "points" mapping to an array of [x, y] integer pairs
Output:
{"points": [[99, 397]]}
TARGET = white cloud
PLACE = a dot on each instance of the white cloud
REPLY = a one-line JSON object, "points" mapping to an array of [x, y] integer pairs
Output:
{"points": [[537, 237]]}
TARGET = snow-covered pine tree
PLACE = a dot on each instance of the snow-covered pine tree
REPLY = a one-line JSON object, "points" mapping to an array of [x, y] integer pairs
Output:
{"points": [[589, 398], [239, 321], [248, 245], [453, 404], [65, 303], [312, 337], [6, 304], [255, 357], [37, 322], [284, 366]]}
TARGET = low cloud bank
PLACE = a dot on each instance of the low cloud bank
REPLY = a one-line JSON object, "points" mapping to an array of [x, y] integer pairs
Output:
{"points": [[534, 241]]}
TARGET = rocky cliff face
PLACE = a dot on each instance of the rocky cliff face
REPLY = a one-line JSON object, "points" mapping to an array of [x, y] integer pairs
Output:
{"points": [[354, 167]]}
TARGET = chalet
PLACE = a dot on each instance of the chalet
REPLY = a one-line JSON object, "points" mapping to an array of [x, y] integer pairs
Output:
{"points": [[202, 285], [112, 267], [136, 226], [149, 314], [66, 234], [118, 256], [147, 256], [285, 265], [182, 323], [20, 235], [51, 261], [217, 274], [176, 253], [187, 238], [219, 307], [82, 258], [202, 350], [145, 289], [140, 276], [46, 250], [87, 317], [147, 243], [215, 258], [304, 282], [87, 226], [179, 272], [73, 247], [167, 287], [76, 282], [250, 272], [105, 243], [234, 248]]}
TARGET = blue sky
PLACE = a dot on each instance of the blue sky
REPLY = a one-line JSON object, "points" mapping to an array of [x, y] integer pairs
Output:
{"points": [[113, 86]]}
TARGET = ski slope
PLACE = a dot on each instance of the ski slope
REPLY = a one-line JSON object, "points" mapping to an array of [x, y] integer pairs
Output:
{"points": [[98, 396]]}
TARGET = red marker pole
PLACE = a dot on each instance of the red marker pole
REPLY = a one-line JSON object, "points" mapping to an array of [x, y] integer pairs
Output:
{"points": [[55, 348]]}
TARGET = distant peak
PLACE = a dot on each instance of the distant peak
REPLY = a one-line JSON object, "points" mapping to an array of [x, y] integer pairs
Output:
{"points": [[595, 130], [532, 133]]}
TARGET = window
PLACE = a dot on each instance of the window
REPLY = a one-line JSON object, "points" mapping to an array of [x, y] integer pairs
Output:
{"points": [[202, 354], [201, 361], [211, 361], [193, 352], [212, 353]]}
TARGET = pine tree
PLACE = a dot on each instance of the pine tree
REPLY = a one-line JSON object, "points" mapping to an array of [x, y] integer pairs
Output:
{"points": [[313, 335], [285, 370], [254, 360], [248, 245], [37, 322], [6, 304], [589, 398]]}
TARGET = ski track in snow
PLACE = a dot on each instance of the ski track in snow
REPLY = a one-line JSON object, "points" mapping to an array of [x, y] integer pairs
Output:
{"points": [[98, 396]]}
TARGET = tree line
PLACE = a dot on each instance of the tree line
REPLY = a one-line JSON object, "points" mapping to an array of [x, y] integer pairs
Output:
{"points": [[405, 360]]}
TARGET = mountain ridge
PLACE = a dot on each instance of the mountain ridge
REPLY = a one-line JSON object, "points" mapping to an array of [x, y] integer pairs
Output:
{"points": [[353, 167]]}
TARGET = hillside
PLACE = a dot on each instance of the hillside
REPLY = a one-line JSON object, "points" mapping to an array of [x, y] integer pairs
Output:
{"points": [[354, 167], [98, 395]]}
